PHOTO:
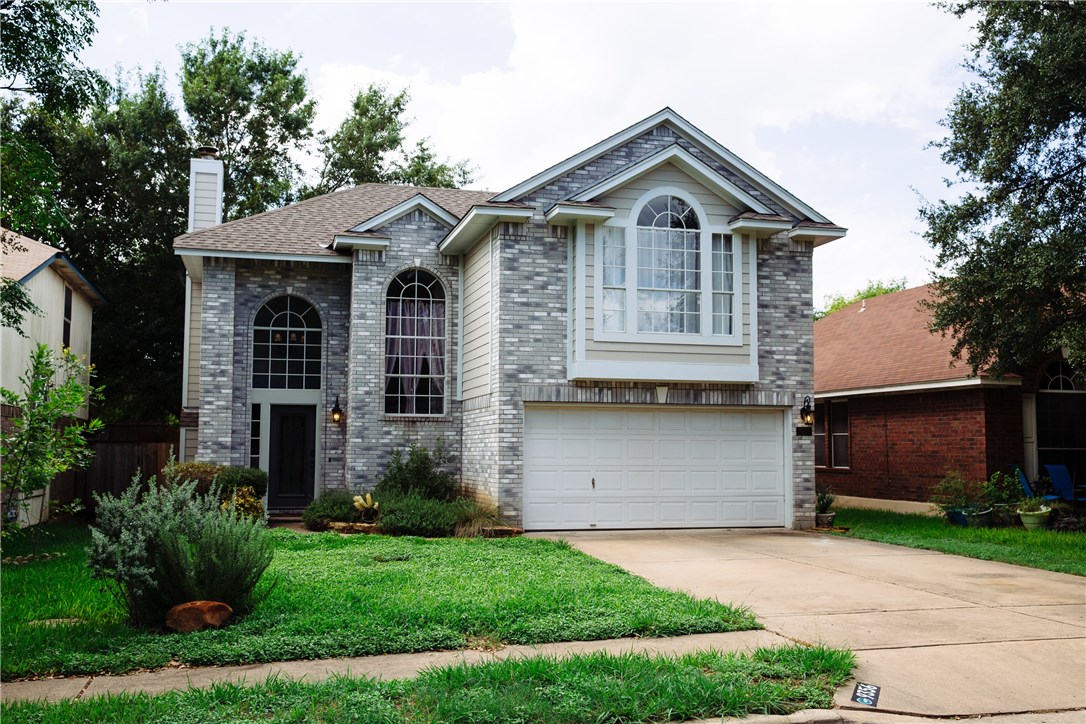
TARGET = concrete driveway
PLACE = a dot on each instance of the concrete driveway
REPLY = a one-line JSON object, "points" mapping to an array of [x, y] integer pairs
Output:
{"points": [[942, 635]]}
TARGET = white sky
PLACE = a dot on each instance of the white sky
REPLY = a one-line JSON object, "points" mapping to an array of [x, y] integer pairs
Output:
{"points": [[834, 101]]}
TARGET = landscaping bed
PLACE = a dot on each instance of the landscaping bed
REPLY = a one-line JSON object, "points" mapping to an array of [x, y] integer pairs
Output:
{"points": [[339, 596], [590, 688], [1060, 551]]}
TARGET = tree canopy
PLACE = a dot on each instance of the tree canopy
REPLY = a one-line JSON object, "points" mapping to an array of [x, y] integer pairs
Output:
{"points": [[1011, 249], [875, 288]]}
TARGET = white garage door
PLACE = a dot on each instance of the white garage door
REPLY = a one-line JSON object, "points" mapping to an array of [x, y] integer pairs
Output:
{"points": [[637, 468]]}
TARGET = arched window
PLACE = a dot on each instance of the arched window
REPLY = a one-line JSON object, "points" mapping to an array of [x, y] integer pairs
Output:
{"points": [[668, 267], [287, 345], [415, 345], [1061, 417]]}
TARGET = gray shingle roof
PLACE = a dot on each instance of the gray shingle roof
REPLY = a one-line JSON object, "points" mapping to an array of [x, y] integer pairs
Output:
{"points": [[308, 226]]}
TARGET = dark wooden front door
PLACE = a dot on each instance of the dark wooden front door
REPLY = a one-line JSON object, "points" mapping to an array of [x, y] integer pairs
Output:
{"points": [[292, 456]]}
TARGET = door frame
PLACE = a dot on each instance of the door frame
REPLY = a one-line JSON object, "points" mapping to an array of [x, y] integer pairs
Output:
{"points": [[306, 496], [267, 398]]}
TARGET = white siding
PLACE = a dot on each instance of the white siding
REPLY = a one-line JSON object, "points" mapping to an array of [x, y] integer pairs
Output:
{"points": [[623, 199], [193, 352], [477, 318]]}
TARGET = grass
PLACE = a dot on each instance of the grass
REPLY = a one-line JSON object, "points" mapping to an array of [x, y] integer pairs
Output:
{"points": [[348, 596], [589, 688], [1048, 550]]}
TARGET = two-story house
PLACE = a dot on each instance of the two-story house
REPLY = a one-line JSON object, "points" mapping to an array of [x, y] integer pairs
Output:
{"points": [[623, 340]]}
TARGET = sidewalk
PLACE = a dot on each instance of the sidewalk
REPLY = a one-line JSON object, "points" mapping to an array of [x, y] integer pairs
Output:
{"points": [[392, 666]]}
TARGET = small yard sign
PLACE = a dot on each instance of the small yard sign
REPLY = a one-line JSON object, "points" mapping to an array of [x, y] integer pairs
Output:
{"points": [[867, 694]]}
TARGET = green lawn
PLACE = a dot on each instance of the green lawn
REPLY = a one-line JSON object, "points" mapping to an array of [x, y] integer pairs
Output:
{"points": [[349, 596], [590, 689], [1051, 551]]}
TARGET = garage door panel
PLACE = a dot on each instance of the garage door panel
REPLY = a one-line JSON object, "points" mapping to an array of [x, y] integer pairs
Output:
{"points": [[652, 468]]}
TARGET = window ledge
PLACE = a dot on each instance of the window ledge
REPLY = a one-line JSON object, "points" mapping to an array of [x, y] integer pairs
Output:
{"points": [[386, 417]]}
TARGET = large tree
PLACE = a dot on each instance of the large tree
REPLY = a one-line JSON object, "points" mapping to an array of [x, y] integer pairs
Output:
{"points": [[253, 104], [1011, 284]]}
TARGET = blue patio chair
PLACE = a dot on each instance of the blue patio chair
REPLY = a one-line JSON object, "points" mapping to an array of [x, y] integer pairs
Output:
{"points": [[1061, 481], [1026, 486]]}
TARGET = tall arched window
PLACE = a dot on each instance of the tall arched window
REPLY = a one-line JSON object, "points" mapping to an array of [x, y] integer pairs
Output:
{"points": [[287, 345], [415, 345], [668, 267]]}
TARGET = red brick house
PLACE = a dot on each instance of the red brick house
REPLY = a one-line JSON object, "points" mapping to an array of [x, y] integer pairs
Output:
{"points": [[893, 414]]}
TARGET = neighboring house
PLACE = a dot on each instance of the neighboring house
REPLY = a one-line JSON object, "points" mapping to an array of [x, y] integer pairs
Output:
{"points": [[621, 341], [893, 415], [66, 300]]}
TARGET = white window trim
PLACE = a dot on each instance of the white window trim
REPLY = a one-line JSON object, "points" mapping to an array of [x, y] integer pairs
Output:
{"points": [[629, 227]]}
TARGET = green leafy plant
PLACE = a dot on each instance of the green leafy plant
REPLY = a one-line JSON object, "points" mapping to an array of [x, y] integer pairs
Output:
{"points": [[1032, 505], [203, 474], [1001, 489], [233, 478], [45, 438], [412, 514], [331, 505], [420, 473], [824, 497], [955, 492], [244, 502]]}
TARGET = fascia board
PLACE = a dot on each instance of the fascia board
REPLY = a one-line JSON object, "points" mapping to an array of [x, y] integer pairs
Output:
{"points": [[687, 162], [345, 241], [475, 222], [756, 225], [72, 274], [637, 370], [405, 207], [262, 256], [919, 387], [818, 235], [567, 213]]}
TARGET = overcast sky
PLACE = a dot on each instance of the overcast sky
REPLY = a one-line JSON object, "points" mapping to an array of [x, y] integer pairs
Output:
{"points": [[834, 101]]}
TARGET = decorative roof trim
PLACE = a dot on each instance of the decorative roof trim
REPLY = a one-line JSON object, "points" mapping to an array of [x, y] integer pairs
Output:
{"points": [[685, 160], [920, 386], [70, 273], [562, 213], [417, 201], [475, 222], [669, 116]]}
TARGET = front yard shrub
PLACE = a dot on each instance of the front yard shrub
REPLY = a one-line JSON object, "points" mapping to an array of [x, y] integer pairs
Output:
{"points": [[245, 502], [331, 505], [413, 514], [203, 474], [474, 517], [156, 546], [420, 473], [232, 478], [220, 559]]}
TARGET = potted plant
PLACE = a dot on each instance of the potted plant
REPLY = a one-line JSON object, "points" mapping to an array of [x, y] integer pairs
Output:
{"points": [[824, 497], [1034, 513], [1003, 492], [962, 501]]}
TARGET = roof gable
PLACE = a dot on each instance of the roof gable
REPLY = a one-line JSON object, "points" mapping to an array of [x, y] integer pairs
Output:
{"points": [[685, 130], [34, 256]]}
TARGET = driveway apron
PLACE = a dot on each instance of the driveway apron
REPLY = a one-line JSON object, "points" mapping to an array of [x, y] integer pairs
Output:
{"points": [[940, 634]]}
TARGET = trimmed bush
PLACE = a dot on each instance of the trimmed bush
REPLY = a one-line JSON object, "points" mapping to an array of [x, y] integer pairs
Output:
{"points": [[420, 473], [413, 514], [331, 505], [234, 478], [203, 474]]}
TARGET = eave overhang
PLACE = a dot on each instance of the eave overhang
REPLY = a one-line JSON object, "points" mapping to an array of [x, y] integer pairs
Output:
{"points": [[365, 242], [70, 273], [477, 222], [562, 214], [970, 382], [818, 233]]}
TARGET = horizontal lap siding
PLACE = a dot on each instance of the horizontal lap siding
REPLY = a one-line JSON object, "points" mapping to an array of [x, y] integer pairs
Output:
{"points": [[477, 320]]}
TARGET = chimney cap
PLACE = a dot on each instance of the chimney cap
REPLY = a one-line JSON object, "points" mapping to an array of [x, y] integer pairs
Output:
{"points": [[207, 152]]}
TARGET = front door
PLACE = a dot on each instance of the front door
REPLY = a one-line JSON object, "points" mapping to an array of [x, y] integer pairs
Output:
{"points": [[292, 457]]}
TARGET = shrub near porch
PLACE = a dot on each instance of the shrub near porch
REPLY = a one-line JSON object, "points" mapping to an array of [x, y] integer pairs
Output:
{"points": [[352, 596]]}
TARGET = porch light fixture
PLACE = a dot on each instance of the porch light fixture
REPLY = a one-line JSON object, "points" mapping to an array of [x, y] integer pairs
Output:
{"points": [[806, 413], [337, 411]]}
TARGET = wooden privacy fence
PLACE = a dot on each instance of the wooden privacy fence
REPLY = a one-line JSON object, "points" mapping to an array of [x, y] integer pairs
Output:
{"points": [[115, 463]]}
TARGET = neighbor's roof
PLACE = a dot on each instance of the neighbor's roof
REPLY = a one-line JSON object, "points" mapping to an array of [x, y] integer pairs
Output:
{"points": [[32, 256], [882, 342], [309, 226]]}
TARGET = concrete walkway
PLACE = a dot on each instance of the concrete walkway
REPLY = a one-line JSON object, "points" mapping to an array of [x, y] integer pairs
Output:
{"points": [[942, 635]]}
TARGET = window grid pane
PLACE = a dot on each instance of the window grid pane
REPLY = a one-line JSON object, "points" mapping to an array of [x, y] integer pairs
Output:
{"points": [[723, 284], [614, 280], [415, 345], [254, 437], [668, 281], [287, 345]]}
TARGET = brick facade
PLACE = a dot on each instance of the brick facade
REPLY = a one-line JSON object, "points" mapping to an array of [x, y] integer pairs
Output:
{"points": [[901, 445]]}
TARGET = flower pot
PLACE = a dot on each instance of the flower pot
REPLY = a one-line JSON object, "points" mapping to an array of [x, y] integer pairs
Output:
{"points": [[1035, 520], [824, 520], [979, 518], [955, 516]]}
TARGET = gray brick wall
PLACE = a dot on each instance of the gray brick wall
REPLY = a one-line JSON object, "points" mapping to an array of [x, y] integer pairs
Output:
{"points": [[217, 362]]}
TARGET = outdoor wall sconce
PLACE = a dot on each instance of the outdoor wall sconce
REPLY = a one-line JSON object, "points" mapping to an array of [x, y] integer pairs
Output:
{"points": [[337, 412], [806, 413]]}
